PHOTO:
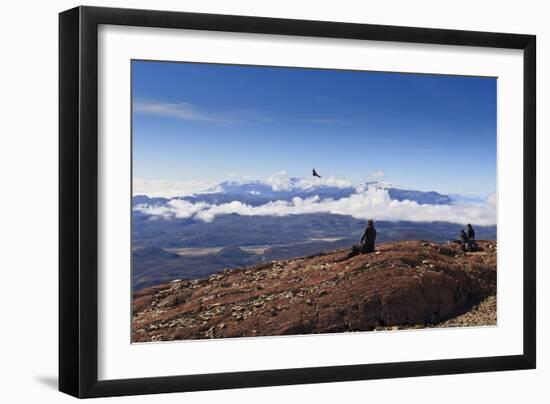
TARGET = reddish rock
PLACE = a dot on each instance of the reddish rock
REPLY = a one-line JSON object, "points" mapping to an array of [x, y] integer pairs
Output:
{"points": [[406, 284], [175, 298]]}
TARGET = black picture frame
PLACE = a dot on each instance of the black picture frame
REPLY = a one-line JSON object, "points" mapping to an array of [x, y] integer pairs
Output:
{"points": [[78, 201]]}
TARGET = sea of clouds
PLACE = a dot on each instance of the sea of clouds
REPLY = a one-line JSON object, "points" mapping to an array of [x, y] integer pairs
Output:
{"points": [[369, 203]]}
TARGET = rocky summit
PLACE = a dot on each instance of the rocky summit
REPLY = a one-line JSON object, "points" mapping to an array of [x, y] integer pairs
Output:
{"points": [[408, 284]]}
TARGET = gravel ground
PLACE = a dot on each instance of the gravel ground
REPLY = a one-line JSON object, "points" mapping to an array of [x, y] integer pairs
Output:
{"points": [[483, 314]]}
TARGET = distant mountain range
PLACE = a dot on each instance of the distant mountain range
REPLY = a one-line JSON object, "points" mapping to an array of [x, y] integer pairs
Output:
{"points": [[256, 193]]}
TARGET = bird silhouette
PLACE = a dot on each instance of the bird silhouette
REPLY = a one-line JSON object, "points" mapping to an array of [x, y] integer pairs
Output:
{"points": [[314, 173]]}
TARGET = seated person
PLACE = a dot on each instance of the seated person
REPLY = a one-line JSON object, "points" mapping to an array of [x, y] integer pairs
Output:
{"points": [[463, 240], [367, 241]]}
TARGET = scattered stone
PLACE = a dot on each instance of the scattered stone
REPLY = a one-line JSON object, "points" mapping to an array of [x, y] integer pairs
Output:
{"points": [[447, 251], [396, 292], [174, 299], [482, 314]]}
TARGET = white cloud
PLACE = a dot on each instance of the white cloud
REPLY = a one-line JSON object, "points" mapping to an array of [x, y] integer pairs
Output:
{"points": [[377, 174], [372, 203], [174, 208], [169, 189], [180, 110], [492, 199], [191, 112], [280, 181]]}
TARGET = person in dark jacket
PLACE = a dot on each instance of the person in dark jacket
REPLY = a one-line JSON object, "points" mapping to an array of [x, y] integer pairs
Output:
{"points": [[472, 245], [367, 241], [471, 232]]}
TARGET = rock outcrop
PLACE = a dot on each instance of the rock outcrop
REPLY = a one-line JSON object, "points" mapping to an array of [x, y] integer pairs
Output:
{"points": [[401, 285]]}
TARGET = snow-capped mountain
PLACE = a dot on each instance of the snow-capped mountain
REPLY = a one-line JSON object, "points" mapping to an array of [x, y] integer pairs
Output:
{"points": [[257, 192]]}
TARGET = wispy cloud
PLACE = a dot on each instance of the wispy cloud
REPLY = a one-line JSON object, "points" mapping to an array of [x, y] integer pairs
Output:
{"points": [[179, 110], [191, 112], [377, 174]]}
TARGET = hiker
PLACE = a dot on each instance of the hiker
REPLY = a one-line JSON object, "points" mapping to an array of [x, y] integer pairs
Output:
{"points": [[367, 241], [463, 240], [472, 245]]}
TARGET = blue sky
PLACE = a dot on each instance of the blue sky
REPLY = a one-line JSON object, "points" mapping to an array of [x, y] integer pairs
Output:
{"points": [[204, 122]]}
